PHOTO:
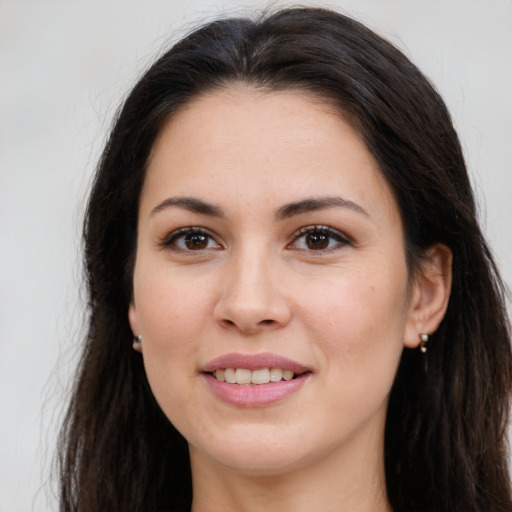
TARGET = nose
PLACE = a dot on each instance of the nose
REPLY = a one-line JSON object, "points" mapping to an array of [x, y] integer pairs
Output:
{"points": [[251, 297]]}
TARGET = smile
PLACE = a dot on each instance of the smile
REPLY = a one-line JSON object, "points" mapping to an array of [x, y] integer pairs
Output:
{"points": [[245, 376], [254, 380]]}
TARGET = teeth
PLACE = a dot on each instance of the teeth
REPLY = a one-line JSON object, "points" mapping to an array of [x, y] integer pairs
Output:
{"points": [[287, 375], [276, 374], [245, 376], [260, 376], [230, 375]]}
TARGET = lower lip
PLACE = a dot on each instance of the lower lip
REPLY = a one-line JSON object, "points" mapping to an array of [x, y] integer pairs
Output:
{"points": [[254, 395]]}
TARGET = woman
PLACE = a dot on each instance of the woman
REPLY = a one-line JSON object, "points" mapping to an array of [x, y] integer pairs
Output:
{"points": [[291, 302]]}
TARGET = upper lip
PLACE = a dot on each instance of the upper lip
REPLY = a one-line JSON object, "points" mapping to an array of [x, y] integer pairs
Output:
{"points": [[254, 362]]}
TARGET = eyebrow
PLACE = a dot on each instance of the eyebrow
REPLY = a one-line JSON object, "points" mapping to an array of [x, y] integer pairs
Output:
{"points": [[191, 204], [313, 204], [286, 211]]}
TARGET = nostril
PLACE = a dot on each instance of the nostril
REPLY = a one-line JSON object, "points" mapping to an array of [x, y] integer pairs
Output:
{"points": [[262, 323]]}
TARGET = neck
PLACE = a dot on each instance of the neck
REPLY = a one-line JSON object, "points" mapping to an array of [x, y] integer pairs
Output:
{"points": [[337, 483]]}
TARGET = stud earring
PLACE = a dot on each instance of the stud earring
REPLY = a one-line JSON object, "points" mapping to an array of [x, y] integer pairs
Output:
{"points": [[137, 340], [424, 340]]}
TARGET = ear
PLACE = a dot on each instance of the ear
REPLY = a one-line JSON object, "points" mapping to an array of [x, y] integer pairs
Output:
{"points": [[133, 319], [430, 294]]}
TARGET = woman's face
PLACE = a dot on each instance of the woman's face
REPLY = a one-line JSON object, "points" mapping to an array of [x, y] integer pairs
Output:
{"points": [[269, 245]]}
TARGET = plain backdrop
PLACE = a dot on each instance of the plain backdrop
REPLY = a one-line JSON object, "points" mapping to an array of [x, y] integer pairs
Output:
{"points": [[64, 68]]}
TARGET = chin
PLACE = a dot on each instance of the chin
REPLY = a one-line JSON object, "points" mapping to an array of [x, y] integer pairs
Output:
{"points": [[256, 463], [261, 452]]}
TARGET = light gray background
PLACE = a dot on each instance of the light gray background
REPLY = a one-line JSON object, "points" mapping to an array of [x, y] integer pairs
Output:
{"points": [[65, 65]]}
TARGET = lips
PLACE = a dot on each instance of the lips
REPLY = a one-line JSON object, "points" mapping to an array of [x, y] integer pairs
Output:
{"points": [[254, 380], [254, 362]]}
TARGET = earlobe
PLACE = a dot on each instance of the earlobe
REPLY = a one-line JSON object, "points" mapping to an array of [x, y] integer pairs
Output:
{"points": [[134, 325], [430, 294]]}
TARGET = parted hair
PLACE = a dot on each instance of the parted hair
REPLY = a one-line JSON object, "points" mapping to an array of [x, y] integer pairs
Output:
{"points": [[445, 439]]}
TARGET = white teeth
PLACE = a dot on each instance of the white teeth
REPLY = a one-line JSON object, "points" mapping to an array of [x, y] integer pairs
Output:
{"points": [[230, 375], [245, 376], [287, 375], [260, 376], [276, 374]]}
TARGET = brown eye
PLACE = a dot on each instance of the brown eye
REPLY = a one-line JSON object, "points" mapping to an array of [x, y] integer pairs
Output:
{"points": [[196, 241], [317, 241], [190, 239]]}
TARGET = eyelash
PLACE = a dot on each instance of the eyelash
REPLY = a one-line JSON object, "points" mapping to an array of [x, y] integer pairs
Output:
{"points": [[328, 232], [171, 241]]}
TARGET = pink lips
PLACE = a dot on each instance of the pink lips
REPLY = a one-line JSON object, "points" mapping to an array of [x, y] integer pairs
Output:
{"points": [[254, 395], [254, 362]]}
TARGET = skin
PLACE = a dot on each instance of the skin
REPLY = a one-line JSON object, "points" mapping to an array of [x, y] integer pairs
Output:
{"points": [[259, 284]]}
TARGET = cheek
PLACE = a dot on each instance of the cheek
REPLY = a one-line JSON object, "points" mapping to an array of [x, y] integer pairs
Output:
{"points": [[174, 315], [360, 327], [172, 308], [357, 300]]}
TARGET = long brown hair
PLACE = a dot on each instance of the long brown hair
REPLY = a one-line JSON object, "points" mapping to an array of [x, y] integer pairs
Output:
{"points": [[445, 445]]}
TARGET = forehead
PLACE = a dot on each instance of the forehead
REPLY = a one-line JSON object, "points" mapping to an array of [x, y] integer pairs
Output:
{"points": [[243, 142], [297, 118]]}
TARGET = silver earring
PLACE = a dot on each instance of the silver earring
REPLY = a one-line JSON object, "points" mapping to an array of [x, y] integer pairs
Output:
{"points": [[137, 339], [424, 340]]}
